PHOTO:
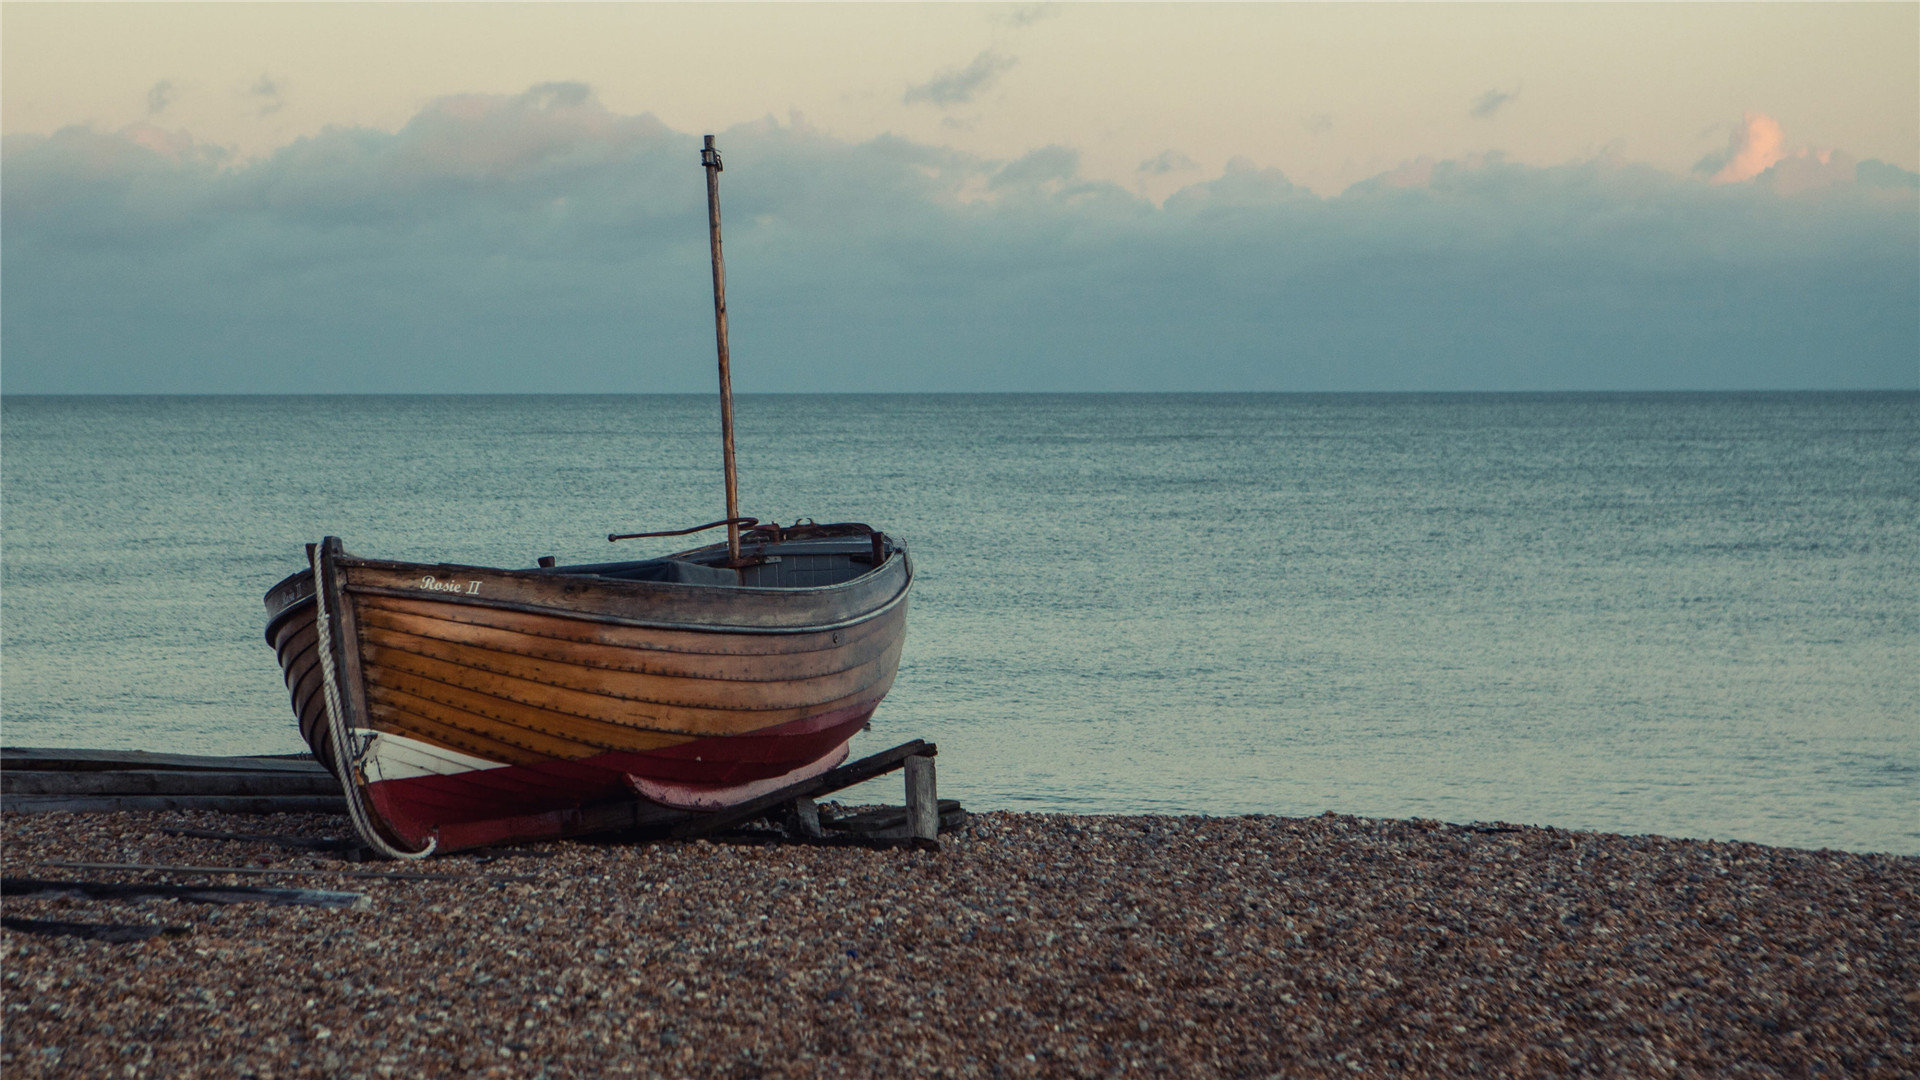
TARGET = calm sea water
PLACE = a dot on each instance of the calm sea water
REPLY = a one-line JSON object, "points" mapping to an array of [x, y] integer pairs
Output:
{"points": [[1691, 615]]}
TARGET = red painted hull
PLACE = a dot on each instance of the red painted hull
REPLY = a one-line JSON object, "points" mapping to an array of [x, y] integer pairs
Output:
{"points": [[419, 808]]}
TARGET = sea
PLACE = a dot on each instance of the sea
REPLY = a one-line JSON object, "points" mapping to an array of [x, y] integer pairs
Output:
{"points": [[1695, 615]]}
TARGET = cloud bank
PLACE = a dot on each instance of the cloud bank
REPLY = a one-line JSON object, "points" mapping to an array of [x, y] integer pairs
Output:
{"points": [[539, 242], [962, 85]]}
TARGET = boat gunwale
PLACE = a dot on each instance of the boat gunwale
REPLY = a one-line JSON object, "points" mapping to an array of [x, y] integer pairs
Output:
{"points": [[688, 588]]}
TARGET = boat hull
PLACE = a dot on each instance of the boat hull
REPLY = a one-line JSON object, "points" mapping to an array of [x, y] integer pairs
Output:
{"points": [[472, 694]]}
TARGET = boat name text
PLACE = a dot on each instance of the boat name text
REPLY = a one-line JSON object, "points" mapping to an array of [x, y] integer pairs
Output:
{"points": [[434, 584]]}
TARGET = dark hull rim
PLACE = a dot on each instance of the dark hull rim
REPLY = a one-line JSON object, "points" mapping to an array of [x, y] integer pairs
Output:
{"points": [[736, 591]]}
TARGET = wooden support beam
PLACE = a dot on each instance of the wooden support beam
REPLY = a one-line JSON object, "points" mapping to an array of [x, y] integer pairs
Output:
{"points": [[310, 843], [114, 932], [923, 800], [231, 804], [832, 780], [890, 822], [167, 782], [805, 824], [35, 888], [74, 760], [397, 875]]}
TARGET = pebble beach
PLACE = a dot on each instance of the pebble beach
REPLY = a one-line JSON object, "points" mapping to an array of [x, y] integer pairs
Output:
{"points": [[1029, 945]]}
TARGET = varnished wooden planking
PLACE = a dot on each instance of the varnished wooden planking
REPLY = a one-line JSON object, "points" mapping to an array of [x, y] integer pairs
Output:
{"points": [[691, 643], [719, 717], [626, 685], [579, 715], [644, 602], [856, 649], [410, 705], [486, 728]]}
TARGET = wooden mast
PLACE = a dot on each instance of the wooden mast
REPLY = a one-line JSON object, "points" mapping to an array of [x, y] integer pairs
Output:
{"points": [[710, 160]]}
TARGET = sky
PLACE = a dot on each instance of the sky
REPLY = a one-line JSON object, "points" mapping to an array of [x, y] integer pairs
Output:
{"points": [[507, 197]]}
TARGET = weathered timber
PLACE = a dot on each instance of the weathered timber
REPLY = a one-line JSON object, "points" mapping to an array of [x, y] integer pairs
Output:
{"points": [[923, 800], [113, 932], [839, 840], [309, 843], [891, 821], [804, 820], [231, 804], [36, 888], [268, 871], [167, 782], [832, 780], [75, 760]]}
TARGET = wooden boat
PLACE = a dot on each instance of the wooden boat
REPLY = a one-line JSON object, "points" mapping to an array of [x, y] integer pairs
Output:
{"points": [[473, 694], [464, 705]]}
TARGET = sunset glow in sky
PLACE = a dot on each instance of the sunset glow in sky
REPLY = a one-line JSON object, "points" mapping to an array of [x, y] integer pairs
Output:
{"points": [[1345, 196]]}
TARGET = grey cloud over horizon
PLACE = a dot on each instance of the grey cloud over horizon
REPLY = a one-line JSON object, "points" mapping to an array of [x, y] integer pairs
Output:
{"points": [[1490, 102], [1167, 161], [159, 97], [962, 85], [266, 91], [539, 242]]}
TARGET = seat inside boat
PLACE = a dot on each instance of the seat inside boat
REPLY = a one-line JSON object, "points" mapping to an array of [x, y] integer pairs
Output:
{"points": [[791, 566]]}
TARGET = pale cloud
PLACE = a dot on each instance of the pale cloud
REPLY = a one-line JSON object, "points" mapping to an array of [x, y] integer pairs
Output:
{"points": [[1167, 161], [961, 85], [1026, 14], [541, 242], [1049, 163], [1318, 123], [266, 91], [1753, 148], [159, 97], [1490, 102]]}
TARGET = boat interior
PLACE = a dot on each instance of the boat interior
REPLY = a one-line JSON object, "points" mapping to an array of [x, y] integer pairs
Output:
{"points": [[787, 564]]}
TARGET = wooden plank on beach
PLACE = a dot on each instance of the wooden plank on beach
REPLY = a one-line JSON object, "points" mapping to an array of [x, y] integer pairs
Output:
{"points": [[231, 804], [289, 871], [38, 889], [113, 932], [311, 843], [890, 822], [830, 781], [75, 760], [167, 782]]}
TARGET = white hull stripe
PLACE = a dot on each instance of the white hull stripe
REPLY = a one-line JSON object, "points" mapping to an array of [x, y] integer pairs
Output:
{"points": [[397, 757]]}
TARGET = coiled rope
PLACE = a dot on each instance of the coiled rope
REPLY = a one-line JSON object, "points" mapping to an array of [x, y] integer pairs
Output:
{"points": [[337, 728]]}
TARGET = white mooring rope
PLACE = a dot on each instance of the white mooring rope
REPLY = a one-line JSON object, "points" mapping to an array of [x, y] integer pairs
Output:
{"points": [[343, 762]]}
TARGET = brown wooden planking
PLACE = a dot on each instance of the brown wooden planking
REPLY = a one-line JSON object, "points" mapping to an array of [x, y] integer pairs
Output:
{"points": [[616, 714], [643, 601], [532, 726], [764, 667], [493, 736], [638, 687], [582, 628]]}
